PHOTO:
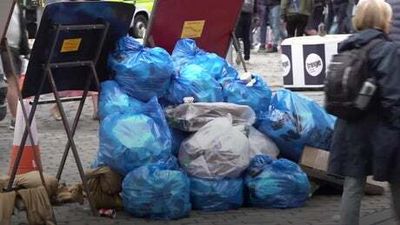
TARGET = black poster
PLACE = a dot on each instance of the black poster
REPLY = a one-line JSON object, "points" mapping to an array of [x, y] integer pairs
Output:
{"points": [[314, 64], [75, 47], [287, 65]]}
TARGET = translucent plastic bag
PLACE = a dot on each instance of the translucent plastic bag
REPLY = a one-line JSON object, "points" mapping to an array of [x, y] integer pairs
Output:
{"points": [[218, 150], [251, 91], [194, 81], [141, 72], [294, 121], [276, 183], [191, 117], [157, 191], [132, 139], [186, 52], [216, 195], [113, 99], [260, 144]]}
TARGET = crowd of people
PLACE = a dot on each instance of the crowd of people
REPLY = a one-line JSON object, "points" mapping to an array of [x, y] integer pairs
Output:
{"points": [[290, 18]]}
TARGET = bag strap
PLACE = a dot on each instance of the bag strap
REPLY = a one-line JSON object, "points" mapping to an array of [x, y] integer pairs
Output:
{"points": [[372, 44]]}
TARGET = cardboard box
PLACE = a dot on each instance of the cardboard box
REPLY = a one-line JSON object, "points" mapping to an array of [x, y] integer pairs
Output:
{"points": [[315, 158]]}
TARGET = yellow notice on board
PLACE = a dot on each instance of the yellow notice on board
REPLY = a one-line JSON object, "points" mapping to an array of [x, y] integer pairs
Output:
{"points": [[71, 45], [193, 29]]}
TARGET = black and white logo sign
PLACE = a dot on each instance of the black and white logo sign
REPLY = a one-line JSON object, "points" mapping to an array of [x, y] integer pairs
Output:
{"points": [[286, 65], [314, 64]]}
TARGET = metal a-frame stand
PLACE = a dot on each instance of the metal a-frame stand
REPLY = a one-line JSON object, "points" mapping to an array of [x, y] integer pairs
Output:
{"points": [[48, 75]]}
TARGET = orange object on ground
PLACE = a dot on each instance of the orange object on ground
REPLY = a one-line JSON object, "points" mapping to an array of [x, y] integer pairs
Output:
{"points": [[28, 161]]}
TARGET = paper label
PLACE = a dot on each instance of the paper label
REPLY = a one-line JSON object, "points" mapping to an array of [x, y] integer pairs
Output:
{"points": [[71, 45], [193, 29]]}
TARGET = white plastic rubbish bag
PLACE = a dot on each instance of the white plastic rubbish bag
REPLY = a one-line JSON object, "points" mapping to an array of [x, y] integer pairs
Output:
{"points": [[217, 150], [191, 117]]}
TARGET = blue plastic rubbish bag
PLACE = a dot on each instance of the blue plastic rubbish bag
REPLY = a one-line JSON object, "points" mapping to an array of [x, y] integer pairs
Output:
{"points": [[254, 93], [276, 183], [194, 81], [186, 52], [157, 192], [294, 121], [216, 195], [113, 99], [133, 139], [141, 72]]}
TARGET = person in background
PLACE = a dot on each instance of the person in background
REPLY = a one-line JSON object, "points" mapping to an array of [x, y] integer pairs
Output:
{"points": [[18, 42], [243, 29], [296, 13], [274, 7], [371, 144], [263, 11], [316, 18], [394, 33], [342, 11]]}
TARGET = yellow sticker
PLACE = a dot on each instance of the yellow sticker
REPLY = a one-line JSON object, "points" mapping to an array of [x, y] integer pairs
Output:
{"points": [[71, 45], [193, 29]]}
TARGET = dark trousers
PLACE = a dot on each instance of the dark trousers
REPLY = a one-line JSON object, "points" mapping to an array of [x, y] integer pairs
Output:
{"points": [[243, 31], [340, 12], [296, 24]]}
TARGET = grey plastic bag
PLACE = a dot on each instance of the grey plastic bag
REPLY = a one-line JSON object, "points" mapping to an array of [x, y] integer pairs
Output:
{"points": [[260, 144], [218, 150], [190, 117]]}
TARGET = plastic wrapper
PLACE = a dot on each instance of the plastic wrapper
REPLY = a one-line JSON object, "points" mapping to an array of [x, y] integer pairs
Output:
{"points": [[294, 121], [190, 117], [186, 53], [260, 144], [276, 183], [141, 72], [113, 99], [133, 139], [156, 191], [254, 93], [194, 81], [216, 195], [218, 150]]}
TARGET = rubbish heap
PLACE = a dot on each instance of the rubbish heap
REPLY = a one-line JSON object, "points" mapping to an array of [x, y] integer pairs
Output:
{"points": [[186, 131]]}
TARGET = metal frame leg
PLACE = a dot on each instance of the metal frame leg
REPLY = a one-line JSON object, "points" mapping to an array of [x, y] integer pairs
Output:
{"points": [[70, 135], [92, 75]]}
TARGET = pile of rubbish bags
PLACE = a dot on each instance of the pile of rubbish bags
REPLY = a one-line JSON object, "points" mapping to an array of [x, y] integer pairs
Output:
{"points": [[217, 141]]}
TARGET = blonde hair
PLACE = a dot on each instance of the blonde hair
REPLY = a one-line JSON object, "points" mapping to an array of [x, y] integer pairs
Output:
{"points": [[375, 14]]}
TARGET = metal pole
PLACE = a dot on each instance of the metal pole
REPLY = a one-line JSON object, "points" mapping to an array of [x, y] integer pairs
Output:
{"points": [[74, 126], [238, 50], [71, 139]]}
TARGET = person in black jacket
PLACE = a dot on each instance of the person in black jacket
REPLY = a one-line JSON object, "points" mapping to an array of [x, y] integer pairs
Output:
{"points": [[394, 33], [244, 26], [371, 144]]}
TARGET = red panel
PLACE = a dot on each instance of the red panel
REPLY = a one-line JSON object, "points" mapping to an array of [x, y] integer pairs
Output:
{"points": [[220, 18]]}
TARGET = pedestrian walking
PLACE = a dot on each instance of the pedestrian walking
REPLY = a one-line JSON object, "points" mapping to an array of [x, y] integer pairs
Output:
{"points": [[370, 145], [243, 29], [278, 33], [263, 12], [296, 13], [316, 18], [394, 33], [18, 42]]}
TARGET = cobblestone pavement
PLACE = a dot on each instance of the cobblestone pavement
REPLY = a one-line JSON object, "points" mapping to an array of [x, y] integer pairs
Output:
{"points": [[319, 210]]}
